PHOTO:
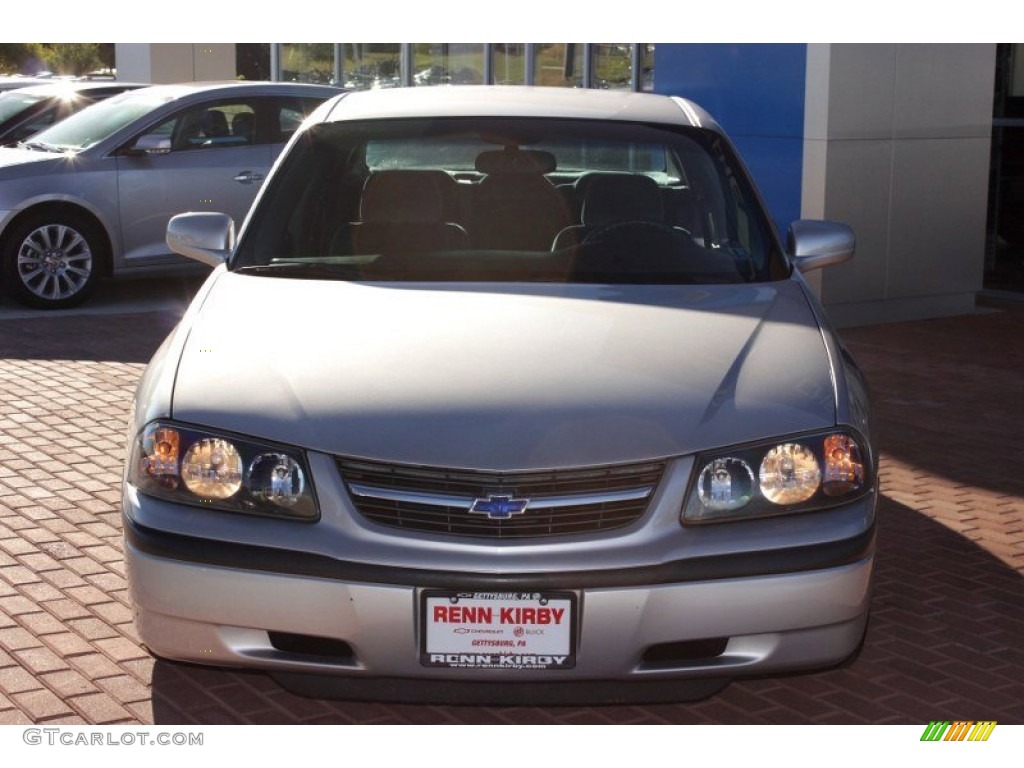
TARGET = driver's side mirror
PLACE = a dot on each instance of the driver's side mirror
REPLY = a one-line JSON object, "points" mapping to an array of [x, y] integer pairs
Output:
{"points": [[151, 144]]}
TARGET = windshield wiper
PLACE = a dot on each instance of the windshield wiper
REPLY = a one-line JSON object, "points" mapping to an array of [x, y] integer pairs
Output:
{"points": [[303, 269], [40, 145]]}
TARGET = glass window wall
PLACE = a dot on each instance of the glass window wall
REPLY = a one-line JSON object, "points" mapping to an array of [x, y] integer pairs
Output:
{"points": [[372, 65], [360, 66], [307, 62], [508, 63], [646, 66], [447, 63], [611, 66], [559, 64]]}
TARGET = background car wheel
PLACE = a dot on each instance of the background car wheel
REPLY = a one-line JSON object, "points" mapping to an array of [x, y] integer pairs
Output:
{"points": [[52, 260]]}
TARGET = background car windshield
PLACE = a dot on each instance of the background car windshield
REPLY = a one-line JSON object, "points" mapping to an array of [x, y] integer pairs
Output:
{"points": [[13, 103], [510, 200], [93, 124]]}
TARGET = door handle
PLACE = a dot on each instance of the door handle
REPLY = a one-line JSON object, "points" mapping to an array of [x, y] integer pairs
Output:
{"points": [[248, 177]]}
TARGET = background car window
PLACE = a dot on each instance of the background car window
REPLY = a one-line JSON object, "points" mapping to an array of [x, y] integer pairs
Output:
{"points": [[211, 125], [99, 121], [290, 114], [12, 104], [236, 123], [40, 121]]}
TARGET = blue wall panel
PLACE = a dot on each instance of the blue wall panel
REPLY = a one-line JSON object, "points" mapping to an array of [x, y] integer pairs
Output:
{"points": [[756, 93]]}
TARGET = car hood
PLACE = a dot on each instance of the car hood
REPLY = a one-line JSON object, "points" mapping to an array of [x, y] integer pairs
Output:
{"points": [[12, 157], [504, 377]]}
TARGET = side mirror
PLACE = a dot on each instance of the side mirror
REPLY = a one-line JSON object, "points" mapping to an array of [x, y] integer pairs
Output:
{"points": [[817, 244], [151, 144], [205, 237]]}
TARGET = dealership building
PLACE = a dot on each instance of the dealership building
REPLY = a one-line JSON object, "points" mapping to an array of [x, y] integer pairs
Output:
{"points": [[919, 147]]}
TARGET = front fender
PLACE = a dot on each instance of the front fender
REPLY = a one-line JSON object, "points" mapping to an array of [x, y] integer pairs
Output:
{"points": [[155, 390], [81, 183], [853, 401]]}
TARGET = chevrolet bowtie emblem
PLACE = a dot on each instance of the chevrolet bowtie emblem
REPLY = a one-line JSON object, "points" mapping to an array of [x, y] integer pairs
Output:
{"points": [[499, 507]]}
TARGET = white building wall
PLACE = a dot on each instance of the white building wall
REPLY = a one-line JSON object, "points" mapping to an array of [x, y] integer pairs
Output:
{"points": [[897, 141], [174, 62]]}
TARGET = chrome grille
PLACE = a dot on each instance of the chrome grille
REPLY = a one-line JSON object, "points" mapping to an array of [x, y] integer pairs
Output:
{"points": [[557, 503]]}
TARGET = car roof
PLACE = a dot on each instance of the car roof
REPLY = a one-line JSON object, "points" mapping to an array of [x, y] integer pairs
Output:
{"points": [[177, 90], [516, 101], [58, 87], [10, 82]]}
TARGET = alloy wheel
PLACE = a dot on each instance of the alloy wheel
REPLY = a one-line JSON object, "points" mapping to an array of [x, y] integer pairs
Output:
{"points": [[55, 262]]}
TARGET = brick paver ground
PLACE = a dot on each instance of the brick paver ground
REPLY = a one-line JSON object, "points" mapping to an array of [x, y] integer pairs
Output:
{"points": [[946, 638]]}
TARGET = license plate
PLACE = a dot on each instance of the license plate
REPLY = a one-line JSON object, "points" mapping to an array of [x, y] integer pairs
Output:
{"points": [[498, 630]]}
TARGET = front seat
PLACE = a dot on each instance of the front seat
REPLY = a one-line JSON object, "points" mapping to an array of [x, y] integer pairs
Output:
{"points": [[612, 198], [214, 124], [401, 212], [243, 126], [516, 207]]}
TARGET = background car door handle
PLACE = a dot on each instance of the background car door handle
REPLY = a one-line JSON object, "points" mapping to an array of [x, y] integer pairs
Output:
{"points": [[248, 177]]}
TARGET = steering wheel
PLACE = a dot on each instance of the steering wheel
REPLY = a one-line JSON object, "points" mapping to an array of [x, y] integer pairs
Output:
{"points": [[625, 231]]}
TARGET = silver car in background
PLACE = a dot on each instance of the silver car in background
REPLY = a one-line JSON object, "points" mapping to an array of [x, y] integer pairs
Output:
{"points": [[504, 394], [11, 82], [25, 112], [91, 196]]}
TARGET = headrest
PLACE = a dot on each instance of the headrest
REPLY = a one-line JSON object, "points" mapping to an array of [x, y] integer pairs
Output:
{"points": [[408, 197], [515, 161], [214, 123], [614, 197]]}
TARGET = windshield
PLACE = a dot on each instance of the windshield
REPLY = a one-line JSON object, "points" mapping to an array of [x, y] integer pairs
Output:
{"points": [[95, 123], [14, 103], [484, 199]]}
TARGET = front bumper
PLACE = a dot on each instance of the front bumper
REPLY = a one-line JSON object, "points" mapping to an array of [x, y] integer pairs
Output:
{"points": [[227, 615], [340, 599]]}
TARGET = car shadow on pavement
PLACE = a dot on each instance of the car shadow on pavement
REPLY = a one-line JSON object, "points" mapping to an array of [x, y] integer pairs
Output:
{"points": [[946, 641], [113, 338], [125, 322], [946, 399]]}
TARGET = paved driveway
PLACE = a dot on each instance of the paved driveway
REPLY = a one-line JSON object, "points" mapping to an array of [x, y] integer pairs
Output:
{"points": [[946, 639]]}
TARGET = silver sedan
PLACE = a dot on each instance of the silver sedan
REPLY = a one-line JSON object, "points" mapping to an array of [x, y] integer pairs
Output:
{"points": [[92, 195], [504, 393]]}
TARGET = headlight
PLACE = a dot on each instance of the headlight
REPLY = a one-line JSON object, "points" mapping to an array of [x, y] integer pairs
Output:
{"points": [[212, 469], [790, 473], [798, 475], [219, 471]]}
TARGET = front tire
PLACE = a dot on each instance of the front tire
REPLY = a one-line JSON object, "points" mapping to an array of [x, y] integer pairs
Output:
{"points": [[52, 260]]}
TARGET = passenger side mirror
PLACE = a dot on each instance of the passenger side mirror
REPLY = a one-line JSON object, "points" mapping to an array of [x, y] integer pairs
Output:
{"points": [[206, 237], [817, 244]]}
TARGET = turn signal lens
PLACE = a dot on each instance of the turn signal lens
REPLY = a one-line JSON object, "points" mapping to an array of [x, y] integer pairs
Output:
{"points": [[212, 469], [159, 460], [789, 474], [844, 468]]}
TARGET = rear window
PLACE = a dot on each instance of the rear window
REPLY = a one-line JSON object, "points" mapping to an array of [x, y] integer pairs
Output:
{"points": [[571, 156], [460, 199]]}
